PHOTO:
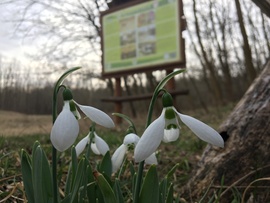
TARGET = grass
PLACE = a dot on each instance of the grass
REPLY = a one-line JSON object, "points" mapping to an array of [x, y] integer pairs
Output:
{"points": [[185, 152]]}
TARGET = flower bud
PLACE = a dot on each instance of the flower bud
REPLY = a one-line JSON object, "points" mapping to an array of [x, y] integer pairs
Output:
{"points": [[167, 99], [67, 95]]}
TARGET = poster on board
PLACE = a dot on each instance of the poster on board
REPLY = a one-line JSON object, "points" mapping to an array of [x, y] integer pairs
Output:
{"points": [[142, 36]]}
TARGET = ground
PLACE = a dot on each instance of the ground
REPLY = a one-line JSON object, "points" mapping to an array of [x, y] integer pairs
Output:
{"points": [[17, 124], [19, 131]]}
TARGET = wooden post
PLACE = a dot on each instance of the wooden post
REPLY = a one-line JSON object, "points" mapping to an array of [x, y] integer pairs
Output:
{"points": [[118, 104], [171, 83]]}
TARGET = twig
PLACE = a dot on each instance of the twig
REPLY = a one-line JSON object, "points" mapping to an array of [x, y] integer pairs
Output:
{"points": [[260, 179], [244, 177]]}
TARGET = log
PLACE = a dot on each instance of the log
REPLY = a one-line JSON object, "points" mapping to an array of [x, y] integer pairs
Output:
{"points": [[246, 155]]}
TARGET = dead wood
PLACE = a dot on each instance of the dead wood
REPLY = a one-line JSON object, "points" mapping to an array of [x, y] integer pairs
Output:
{"points": [[246, 155]]}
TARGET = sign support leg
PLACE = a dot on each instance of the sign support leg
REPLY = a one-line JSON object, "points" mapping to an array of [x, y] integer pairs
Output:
{"points": [[118, 104]]}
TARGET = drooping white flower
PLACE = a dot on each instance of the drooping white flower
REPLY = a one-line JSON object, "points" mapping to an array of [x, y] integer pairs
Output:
{"points": [[119, 154], [96, 115], [82, 144], [118, 157], [98, 145], [65, 129], [166, 128]]}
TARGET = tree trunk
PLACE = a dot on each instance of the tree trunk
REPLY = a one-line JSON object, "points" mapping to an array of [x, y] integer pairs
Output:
{"points": [[251, 72], [264, 5], [222, 50], [246, 155], [208, 63]]}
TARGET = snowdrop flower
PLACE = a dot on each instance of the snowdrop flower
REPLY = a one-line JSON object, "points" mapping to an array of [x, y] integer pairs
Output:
{"points": [[65, 129], [166, 128], [96, 115], [98, 145], [119, 154]]}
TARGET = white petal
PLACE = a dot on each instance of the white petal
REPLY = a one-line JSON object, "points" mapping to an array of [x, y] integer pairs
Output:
{"points": [[152, 159], [118, 157], [81, 145], [170, 135], [203, 131], [131, 138], [95, 149], [65, 129], [97, 116], [102, 146], [150, 139]]}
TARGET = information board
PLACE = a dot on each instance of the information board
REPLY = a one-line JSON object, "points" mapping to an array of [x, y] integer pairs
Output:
{"points": [[142, 36]]}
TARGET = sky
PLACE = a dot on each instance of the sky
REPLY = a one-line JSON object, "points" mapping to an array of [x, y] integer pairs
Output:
{"points": [[10, 46], [14, 48]]}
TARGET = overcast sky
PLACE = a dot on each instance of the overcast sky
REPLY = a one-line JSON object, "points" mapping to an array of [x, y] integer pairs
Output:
{"points": [[10, 46]]}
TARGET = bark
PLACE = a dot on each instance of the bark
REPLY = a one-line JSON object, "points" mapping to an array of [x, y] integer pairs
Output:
{"points": [[245, 156]]}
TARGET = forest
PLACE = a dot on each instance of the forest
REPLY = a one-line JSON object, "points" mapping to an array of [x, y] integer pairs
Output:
{"points": [[227, 44]]}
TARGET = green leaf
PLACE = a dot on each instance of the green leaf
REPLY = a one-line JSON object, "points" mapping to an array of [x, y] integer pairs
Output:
{"points": [[68, 180], [42, 178], [134, 179], [163, 82], [118, 192], [35, 145], [91, 186], [172, 171], [71, 171], [65, 74], [126, 118], [105, 166], [67, 199], [27, 176], [150, 187], [56, 89], [77, 179], [163, 190], [169, 198], [131, 169], [159, 87], [105, 188]]}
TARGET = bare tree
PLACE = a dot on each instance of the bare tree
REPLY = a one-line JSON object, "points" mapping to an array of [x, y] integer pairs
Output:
{"points": [[222, 50], [208, 65], [64, 30], [264, 5], [251, 72]]}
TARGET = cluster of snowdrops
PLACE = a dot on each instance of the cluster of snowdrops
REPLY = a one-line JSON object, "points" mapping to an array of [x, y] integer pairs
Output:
{"points": [[83, 183]]}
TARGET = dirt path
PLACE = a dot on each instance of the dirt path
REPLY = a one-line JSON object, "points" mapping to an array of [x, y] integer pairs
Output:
{"points": [[17, 124]]}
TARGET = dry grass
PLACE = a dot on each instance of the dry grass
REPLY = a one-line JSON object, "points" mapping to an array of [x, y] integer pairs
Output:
{"points": [[17, 124]]}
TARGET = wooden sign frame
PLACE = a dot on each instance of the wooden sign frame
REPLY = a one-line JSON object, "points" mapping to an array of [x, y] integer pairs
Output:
{"points": [[137, 37]]}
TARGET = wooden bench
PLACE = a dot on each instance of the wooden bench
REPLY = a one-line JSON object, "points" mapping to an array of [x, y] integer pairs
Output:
{"points": [[140, 97], [120, 99]]}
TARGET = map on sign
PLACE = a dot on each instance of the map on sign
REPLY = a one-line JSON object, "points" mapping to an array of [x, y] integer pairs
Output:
{"points": [[142, 35]]}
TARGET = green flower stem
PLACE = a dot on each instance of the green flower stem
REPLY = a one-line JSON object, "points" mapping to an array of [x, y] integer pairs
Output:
{"points": [[54, 116], [158, 89]]}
